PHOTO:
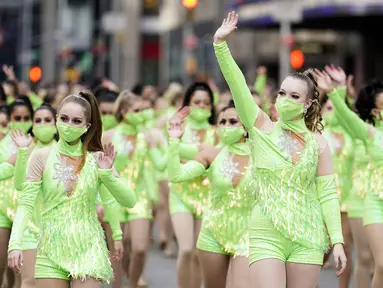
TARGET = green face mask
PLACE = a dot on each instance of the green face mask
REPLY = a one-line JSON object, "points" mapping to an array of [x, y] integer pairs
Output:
{"points": [[231, 135], [24, 126], [330, 119], [199, 114], [148, 114], [288, 109], [135, 118], [44, 133], [4, 130], [108, 122], [70, 133]]}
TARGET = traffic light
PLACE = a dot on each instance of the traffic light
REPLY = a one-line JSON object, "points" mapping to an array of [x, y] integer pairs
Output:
{"points": [[35, 74], [190, 4], [297, 59]]}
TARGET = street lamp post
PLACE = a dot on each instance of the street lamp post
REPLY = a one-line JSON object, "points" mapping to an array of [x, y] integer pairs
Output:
{"points": [[26, 41], [286, 13]]}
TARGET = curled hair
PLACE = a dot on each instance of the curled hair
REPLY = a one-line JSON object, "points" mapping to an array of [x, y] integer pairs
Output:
{"points": [[200, 86], [313, 116], [124, 100], [367, 100], [92, 138]]}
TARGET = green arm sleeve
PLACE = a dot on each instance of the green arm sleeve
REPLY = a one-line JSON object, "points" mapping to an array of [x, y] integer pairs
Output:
{"points": [[244, 102], [260, 84], [112, 209], [351, 122], [7, 170], [158, 158], [188, 151], [27, 201], [119, 188], [20, 168], [178, 172], [35, 100], [328, 199]]}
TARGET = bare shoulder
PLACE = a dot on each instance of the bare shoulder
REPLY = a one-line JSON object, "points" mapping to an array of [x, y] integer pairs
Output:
{"points": [[321, 141]]}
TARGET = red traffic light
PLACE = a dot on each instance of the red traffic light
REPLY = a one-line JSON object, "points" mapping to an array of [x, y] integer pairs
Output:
{"points": [[190, 4], [297, 58], [35, 74]]}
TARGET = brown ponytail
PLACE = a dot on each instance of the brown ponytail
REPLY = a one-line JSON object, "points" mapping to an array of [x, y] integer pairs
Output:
{"points": [[92, 139], [313, 116]]}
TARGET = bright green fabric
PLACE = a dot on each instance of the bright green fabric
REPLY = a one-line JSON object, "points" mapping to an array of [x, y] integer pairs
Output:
{"points": [[285, 163]]}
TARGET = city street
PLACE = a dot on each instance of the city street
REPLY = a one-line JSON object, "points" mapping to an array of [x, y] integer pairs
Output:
{"points": [[161, 273]]}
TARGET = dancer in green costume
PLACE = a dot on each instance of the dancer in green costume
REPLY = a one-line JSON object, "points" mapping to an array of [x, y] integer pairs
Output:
{"points": [[132, 153], [293, 179], [66, 177], [188, 198], [21, 113], [44, 131], [224, 234], [369, 108], [341, 147]]}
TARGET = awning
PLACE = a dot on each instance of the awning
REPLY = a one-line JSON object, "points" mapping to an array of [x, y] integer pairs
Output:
{"points": [[261, 12]]}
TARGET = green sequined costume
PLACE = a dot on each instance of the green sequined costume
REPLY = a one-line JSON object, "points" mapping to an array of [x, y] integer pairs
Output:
{"points": [[361, 170], [226, 216], [191, 196], [293, 205], [341, 146], [7, 149], [133, 157], [373, 203], [71, 240]]}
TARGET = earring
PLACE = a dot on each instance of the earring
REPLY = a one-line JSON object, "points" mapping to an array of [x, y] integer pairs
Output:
{"points": [[305, 111]]}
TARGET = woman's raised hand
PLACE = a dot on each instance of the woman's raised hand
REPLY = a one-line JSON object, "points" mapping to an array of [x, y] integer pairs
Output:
{"points": [[20, 139], [337, 74], [106, 158], [175, 123], [324, 81], [228, 26]]}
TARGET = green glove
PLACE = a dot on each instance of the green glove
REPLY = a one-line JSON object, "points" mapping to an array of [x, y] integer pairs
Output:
{"points": [[353, 125], [20, 168], [119, 188], [247, 109], [112, 209], [328, 199], [176, 171]]}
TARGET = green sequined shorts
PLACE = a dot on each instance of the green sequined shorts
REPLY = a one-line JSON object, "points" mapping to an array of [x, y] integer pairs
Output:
{"points": [[373, 210], [355, 206], [46, 269], [176, 205], [5, 222], [267, 243]]}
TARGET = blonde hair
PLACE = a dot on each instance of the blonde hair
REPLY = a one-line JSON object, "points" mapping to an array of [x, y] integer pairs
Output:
{"points": [[124, 100], [173, 92]]}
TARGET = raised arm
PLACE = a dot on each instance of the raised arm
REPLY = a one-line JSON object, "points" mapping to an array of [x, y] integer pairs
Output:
{"points": [[350, 121], [119, 187], [181, 172], [248, 110]]}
